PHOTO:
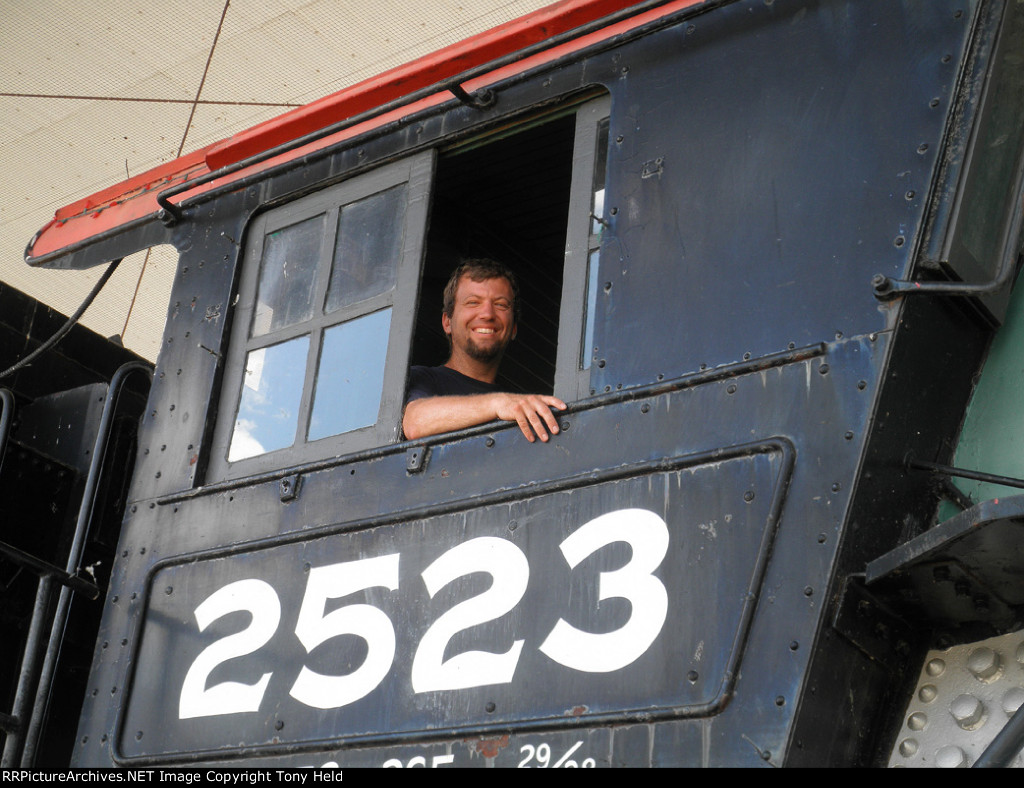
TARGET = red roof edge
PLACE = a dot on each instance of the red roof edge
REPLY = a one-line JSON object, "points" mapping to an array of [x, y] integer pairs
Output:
{"points": [[102, 213], [423, 72]]}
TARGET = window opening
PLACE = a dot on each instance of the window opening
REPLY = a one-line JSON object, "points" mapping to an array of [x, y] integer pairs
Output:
{"points": [[511, 195]]}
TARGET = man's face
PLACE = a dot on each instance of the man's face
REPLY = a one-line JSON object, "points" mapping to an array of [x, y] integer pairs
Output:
{"points": [[483, 318]]}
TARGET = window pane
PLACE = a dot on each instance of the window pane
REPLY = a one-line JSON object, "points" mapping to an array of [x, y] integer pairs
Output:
{"points": [[370, 236], [588, 332], [351, 375], [288, 276], [271, 391], [600, 170]]}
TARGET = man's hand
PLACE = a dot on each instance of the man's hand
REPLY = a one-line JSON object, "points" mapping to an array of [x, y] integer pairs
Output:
{"points": [[532, 412], [433, 415]]}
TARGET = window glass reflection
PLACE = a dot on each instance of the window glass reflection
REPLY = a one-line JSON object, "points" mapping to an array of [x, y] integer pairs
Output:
{"points": [[369, 242], [288, 276], [350, 379], [271, 392]]}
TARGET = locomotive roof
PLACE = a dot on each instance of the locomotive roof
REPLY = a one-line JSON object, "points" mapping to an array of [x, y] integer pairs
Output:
{"points": [[469, 65]]}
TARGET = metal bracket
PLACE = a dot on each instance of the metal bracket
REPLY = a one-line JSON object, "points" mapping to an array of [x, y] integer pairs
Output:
{"points": [[416, 459], [290, 487], [482, 99], [869, 624]]}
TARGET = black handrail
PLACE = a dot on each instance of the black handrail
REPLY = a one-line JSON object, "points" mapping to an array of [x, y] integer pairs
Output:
{"points": [[34, 721]]}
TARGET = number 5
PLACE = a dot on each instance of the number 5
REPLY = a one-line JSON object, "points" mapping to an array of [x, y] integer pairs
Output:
{"points": [[368, 622]]}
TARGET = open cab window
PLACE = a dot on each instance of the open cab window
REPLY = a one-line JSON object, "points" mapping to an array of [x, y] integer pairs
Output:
{"points": [[342, 290]]}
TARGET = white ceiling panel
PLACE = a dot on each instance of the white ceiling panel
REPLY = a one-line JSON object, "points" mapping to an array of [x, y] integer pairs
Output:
{"points": [[91, 93]]}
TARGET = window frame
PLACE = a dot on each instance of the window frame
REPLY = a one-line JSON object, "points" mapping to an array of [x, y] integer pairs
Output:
{"points": [[579, 282], [417, 173]]}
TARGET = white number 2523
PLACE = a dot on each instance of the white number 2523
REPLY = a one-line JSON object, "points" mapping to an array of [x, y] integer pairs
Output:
{"points": [[644, 531]]}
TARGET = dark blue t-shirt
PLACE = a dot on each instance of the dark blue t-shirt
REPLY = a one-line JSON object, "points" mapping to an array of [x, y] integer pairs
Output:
{"points": [[444, 382]]}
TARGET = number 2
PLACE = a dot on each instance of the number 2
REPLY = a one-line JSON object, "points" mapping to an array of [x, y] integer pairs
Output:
{"points": [[504, 562], [229, 697]]}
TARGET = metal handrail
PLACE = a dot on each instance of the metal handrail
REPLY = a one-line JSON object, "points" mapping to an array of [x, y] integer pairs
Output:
{"points": [[34, 720]]}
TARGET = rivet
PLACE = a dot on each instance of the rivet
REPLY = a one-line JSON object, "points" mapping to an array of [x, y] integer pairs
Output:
{"points": [[908, 748], [935, 667], [984, 664], [927, 693], [968, 711], [950, 757], [489, 442], [489, 707], [917, 721], [692, 676], [808, 591], [278, 725], [1012, 700]]}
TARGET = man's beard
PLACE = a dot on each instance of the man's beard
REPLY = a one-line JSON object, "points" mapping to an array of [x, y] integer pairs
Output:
{"points": [[484, 354]]}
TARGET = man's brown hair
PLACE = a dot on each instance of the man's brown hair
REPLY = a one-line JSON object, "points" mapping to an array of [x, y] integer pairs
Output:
{"points": [[480, 269]]}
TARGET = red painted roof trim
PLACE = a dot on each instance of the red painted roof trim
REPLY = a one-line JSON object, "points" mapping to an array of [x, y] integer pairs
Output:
{"points": [[135, 199]]}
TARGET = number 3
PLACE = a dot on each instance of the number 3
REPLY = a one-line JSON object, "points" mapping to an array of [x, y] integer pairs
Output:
{"points": [[647, 534]]}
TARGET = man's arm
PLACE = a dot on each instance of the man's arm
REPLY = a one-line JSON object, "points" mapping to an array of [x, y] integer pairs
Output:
{"points": [[433, 415]]}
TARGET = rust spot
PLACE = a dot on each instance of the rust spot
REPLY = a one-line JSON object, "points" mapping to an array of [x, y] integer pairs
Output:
{"points": [[578, 711], [489, 748], [195, 458]]}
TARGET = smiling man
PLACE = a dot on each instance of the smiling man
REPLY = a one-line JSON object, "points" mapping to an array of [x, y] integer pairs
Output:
{"points": [[479, 318]]}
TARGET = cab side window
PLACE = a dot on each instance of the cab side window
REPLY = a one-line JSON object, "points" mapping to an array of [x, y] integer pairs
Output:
{"points": [[328, 288]]}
